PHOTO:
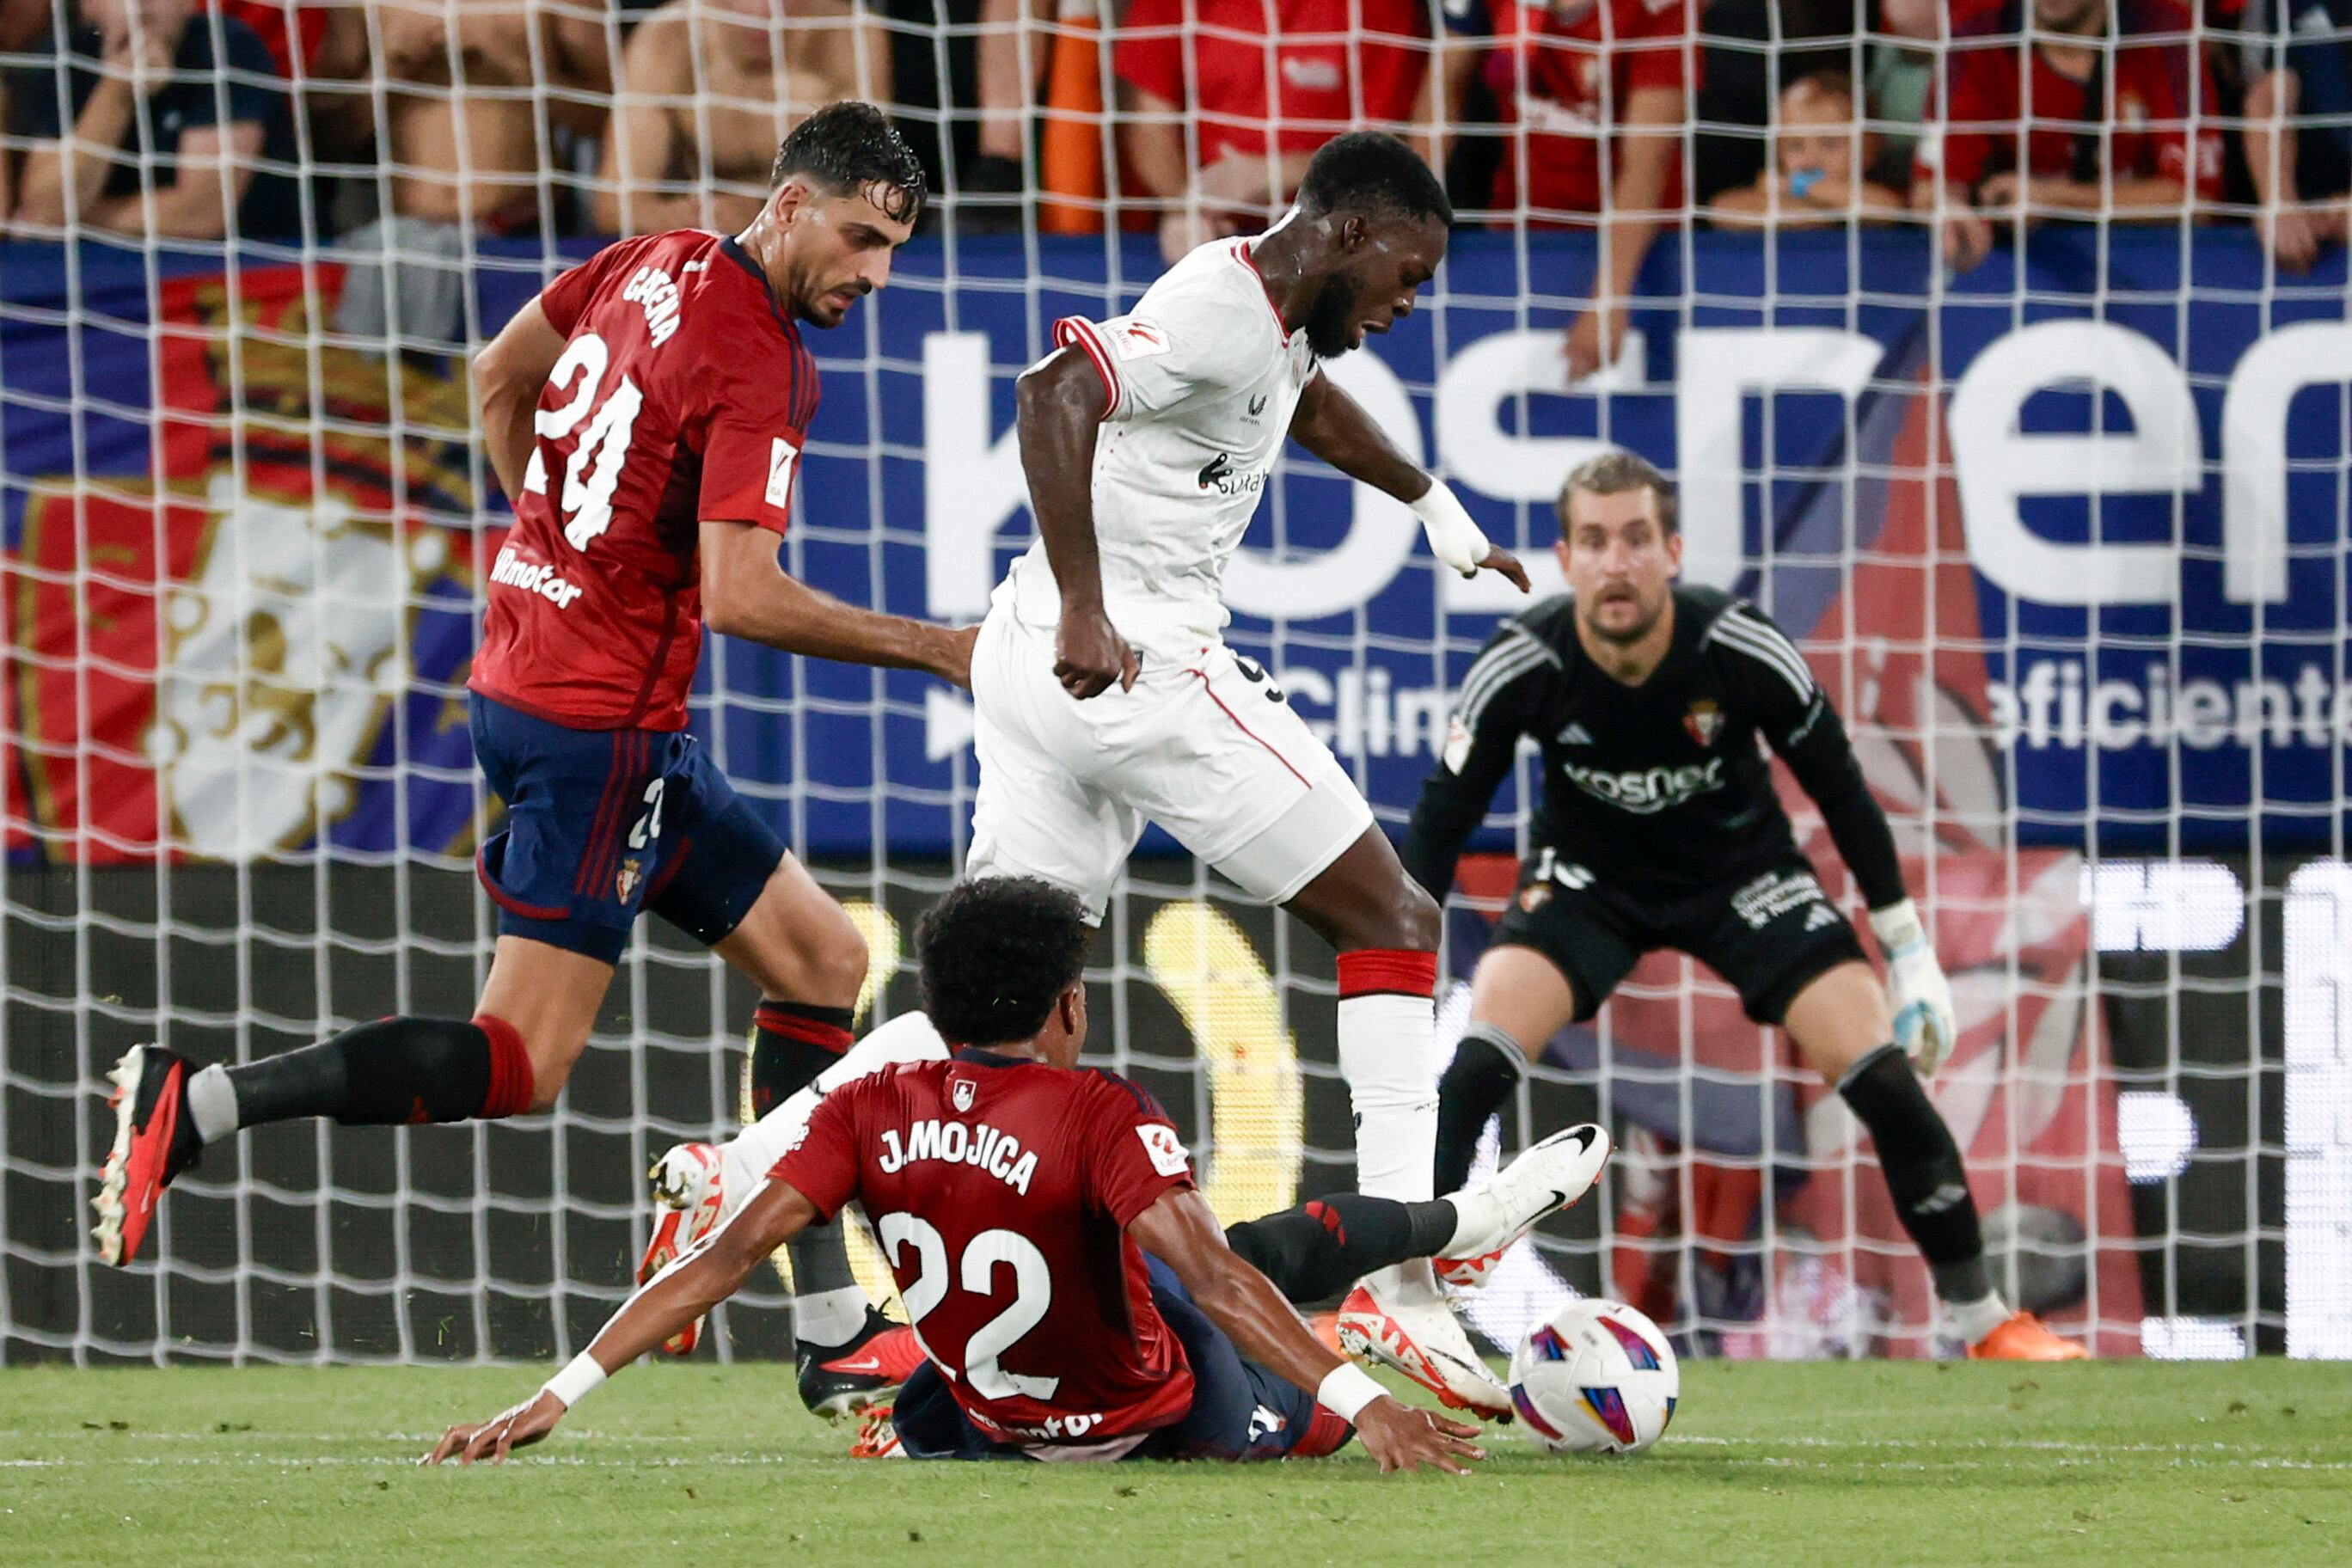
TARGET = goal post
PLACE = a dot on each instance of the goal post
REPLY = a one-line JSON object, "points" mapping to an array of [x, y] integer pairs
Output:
{"points": [[2063, 534]]}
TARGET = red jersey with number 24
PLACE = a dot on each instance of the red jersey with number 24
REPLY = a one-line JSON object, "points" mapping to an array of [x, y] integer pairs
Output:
{"points": [[1000, 1190], [682, 396]]}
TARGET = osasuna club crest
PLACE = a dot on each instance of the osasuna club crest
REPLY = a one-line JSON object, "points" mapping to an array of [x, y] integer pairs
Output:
{"points": [[962, 1092], [1703, 720], [625, 880]]}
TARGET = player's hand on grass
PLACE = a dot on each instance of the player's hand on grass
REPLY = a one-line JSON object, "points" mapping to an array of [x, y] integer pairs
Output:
{"points": [[519, 1428], [1406, 1437], [1089, 655]]}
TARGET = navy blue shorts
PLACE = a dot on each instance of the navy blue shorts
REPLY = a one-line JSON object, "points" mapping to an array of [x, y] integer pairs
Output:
{"points": [[604, 825], [1240, 1410]]}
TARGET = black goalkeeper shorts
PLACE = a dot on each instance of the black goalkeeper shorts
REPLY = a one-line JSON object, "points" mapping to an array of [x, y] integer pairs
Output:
{"points": [[1769, 933]]}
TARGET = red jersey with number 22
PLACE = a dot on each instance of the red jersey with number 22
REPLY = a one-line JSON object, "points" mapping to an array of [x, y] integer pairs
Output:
{"points": [[1000, 1190], [682, 396]]}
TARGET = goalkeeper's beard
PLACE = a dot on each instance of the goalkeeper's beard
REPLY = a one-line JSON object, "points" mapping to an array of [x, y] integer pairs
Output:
{"points": [[1626, 636]]}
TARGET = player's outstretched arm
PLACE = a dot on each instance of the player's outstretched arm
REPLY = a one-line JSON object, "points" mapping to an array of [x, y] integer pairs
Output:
{"points": [[1499, 695], [509, 375], [1180, 1230], [1061, 413], [1335, 428], [706, 1276], [746, 594], [1770, 675]]}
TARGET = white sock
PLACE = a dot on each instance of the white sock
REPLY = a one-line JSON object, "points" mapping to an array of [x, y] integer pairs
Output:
{"points": [[829, 1317], [212, 1103], [1480, 1224], [1976, 1319], [1387, 1046], [746, 1160]]}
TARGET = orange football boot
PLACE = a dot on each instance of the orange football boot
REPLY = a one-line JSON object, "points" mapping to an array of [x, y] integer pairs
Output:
{"points": [[2024, 1338]]}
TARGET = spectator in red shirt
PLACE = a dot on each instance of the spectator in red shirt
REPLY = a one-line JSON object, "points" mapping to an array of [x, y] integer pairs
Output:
{"points": [[2025, 136], [291, 31], [1203, 136], [1599, 94]]}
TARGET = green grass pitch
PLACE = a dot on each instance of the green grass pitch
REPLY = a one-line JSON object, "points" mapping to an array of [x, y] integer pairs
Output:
{"points": [[1781, 1464]]}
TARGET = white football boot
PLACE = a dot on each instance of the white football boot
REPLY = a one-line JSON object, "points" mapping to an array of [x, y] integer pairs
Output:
{"points": [[687, 1187], [1550, 1174], [1399, 1319]]}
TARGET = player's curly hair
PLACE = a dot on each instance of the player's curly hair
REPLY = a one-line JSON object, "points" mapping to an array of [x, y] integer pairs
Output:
{"points": [[853, 146], [995, 953], [1370, 170]]}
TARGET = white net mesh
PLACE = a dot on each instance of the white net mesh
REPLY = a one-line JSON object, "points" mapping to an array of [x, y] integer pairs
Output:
{"points": [[2062, 532]]}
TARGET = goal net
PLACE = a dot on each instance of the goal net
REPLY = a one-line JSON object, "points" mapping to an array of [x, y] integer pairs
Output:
{"points": [[2063, 533]]}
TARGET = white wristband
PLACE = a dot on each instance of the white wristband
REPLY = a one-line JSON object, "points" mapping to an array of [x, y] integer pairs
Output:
{"points": [[573, 1384], [1348, 1390], [1453, 538]]}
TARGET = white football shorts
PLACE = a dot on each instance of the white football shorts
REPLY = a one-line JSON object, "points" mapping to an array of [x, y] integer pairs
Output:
{"points": [[1207, 747]]}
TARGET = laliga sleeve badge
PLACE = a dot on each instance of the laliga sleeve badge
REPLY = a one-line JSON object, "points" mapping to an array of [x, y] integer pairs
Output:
{"points": [[1159, 1143], [781, 455], [1704, 720], [1134, 340]]}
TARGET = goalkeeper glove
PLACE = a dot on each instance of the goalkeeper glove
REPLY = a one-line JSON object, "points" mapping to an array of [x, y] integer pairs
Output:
{"points": [[1453, 538], [1925, 1023]]}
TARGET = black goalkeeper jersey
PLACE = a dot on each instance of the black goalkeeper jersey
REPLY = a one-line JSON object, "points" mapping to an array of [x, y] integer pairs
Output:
{"points": [[1659, 787]]}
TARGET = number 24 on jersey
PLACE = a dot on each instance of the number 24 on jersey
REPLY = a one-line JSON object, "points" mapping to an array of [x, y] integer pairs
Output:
{"points": [[594, 469]]}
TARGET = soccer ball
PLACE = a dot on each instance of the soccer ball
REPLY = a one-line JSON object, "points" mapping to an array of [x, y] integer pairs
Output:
{"points": [[1595, 1378]]}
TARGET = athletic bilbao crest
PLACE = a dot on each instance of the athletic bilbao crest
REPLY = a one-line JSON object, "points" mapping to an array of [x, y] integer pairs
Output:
{"points": [[962, 1093], [1703, 720]]}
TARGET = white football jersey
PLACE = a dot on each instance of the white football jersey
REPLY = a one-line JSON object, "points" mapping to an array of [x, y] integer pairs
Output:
{"points": [[1201, 379]]}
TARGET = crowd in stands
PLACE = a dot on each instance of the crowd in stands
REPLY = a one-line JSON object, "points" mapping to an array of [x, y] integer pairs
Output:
{"points": [[416, 128]]}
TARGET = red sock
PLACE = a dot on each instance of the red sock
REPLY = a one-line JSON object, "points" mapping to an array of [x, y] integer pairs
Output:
{"points": [[824, 1027], [1384, 971], [512, 1082]]}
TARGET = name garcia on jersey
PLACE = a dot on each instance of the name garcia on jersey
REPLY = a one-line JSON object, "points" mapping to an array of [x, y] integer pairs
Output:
{"points": [[658, 292], [951, 1143]]}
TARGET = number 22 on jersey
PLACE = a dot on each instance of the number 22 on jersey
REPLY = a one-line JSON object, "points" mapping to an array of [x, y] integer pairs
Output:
{"points": [[585, 507], [1033, 1294]]}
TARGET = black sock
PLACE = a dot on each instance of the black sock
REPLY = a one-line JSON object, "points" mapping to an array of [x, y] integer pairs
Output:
{"points": [[1923, 1171], [791, 1042], [820, 1259], [795, 1042], [1485, 1069], [391, 1071], [1319, 1250]]}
